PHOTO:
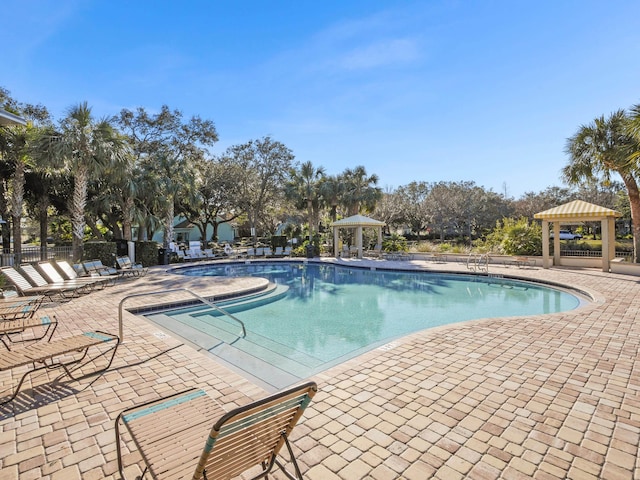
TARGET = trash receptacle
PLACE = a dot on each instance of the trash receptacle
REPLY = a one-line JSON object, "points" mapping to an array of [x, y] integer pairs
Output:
{"points": [[122, 247], [163, 256], [309, 251]]}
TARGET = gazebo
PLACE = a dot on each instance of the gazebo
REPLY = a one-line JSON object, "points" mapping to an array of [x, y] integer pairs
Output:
{"points": [[358, 222], [576, 212], [8, 118]]}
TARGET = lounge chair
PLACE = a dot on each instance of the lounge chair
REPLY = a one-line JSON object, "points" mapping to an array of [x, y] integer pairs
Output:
{"points": [[51, 274], [126, 266], [26, 288], [268, 252], [15, 308], [259, 252], [10, 328], [209, 254], [376, 252], [71, 273], [251, 252], [171, 434], [96, 267], [287, 251], [17, 315], [279, 252], [191, 255], [56, 353], [37, 280]]}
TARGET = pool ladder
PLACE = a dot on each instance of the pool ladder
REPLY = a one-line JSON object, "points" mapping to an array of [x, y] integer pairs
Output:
{"points": [[202, 299]]}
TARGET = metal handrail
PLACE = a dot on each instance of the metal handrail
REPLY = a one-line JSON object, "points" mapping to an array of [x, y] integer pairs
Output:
{"points": [[202, 299]]}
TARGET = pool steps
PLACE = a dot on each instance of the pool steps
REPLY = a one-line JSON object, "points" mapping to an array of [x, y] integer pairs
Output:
{"points": [[255, 355]]}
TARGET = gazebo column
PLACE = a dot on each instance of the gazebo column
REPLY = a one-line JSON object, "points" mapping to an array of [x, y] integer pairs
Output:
{"points": [[336, 240], [380, 236], [556, 243], [608, 242], [546, 263], [359, 241]]}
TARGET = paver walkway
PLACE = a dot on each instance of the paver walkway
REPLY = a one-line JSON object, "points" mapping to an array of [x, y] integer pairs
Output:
{"points": [[550, 397]]}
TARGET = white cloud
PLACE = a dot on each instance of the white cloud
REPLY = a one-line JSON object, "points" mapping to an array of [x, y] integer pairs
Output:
{"points": [[381, 54]]}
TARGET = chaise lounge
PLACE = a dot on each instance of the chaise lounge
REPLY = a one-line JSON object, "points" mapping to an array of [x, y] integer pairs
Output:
{"points": [[24, 287], [55, 354]]}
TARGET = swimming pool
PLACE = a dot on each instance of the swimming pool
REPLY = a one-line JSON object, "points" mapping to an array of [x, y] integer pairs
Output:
{"points": [[322, 314]]}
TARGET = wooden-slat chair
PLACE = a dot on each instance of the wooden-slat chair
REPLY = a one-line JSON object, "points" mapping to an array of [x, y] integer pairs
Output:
{"points": [[60, 353], [171, 434], [14, 326], [126, 266]]}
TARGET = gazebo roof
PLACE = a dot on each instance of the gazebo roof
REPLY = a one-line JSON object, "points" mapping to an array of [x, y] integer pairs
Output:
{"points": [[358, 221], [577, 210], [8, 118]]}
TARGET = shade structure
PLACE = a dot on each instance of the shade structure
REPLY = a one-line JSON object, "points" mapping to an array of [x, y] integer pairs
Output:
{"points": [[578, 211], [358, 222], [7, 118]]}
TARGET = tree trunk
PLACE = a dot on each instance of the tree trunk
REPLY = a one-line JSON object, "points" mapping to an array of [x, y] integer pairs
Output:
{"points": [[168, 224], [77, 209], [214, 234], [4, 213], [94, 228], [127, 219], [310, 213], [634, 204], [17, 195], [43, 219]]}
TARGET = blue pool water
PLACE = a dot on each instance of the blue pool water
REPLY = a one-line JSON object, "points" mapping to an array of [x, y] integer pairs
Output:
{"points": [[322, 314]]}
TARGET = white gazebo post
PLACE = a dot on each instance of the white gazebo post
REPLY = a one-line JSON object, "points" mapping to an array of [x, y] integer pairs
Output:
{"points": [[545, 244], [556, 243], [359, 240]]}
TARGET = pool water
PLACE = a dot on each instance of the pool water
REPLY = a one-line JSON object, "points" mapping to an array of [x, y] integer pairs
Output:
{"points": [[322, 314]]}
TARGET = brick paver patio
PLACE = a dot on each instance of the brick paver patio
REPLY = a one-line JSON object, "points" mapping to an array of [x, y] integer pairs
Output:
{"points": [[549, 397]]}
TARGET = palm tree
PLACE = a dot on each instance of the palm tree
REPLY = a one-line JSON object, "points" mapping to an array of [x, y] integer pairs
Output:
{"points": [[164, 179], [633, 129], [16, 144], [602, 148], [331, 188], [360, 191], [304, 189], [85, 148]]}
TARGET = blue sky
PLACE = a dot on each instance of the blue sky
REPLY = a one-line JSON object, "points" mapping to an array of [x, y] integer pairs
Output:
{"points": [[427, 90]]}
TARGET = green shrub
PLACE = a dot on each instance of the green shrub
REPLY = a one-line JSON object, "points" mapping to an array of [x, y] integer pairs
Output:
{"points": [[515, 237], [103, 251], [395, 243], [146, 253]]}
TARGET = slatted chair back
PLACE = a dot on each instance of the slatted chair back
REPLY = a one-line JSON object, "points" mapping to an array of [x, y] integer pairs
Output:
{"points": [[253, 435], [63, 288], [17, 279], [34, 276], [50, 272], [67, 270], [240, 440]]}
